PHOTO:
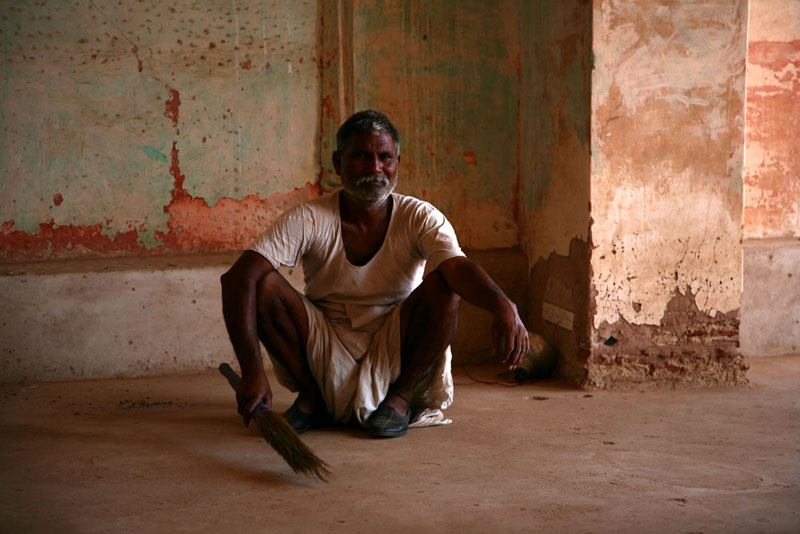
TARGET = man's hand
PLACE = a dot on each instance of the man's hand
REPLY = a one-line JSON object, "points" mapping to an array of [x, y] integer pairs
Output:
{"points": [[470, 281], [509, 336], [253, 389]]}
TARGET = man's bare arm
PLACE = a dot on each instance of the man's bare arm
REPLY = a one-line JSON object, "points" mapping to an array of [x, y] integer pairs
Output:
{"points": [[240, 311], [473, 284]]}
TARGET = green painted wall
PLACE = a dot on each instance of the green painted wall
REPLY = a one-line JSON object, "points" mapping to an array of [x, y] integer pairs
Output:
{"points": [[556, 105], [126, 124]]}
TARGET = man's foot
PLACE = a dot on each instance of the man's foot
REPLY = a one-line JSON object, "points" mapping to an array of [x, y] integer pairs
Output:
{"points": [[302, 421], [385, 422]]}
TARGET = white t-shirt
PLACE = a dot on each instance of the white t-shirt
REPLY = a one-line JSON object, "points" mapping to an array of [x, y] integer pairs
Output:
{"points": [[311, 234]]}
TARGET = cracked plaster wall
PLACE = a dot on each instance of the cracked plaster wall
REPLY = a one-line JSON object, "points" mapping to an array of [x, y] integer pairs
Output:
{"points": [[666, 178], [143, 127], [138, 127]]}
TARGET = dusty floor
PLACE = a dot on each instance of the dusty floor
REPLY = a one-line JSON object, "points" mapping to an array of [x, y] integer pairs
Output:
{"points": [[170, 455]]}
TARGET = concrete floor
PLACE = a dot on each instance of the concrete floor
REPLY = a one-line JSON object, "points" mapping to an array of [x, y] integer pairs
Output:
{"points": [[170, 455]]}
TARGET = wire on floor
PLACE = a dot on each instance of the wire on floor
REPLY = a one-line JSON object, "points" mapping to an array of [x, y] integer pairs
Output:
{"points": [[507, 382]]}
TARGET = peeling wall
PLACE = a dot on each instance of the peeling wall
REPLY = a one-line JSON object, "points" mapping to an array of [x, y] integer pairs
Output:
{"points": [[559, 297], [555, 166], [603, 137], [666, 176], [687, 347], [554, 133], [772, 169], [142, 127]]}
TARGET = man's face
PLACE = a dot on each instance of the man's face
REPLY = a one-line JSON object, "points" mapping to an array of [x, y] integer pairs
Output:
{"points": [[368, 167]]}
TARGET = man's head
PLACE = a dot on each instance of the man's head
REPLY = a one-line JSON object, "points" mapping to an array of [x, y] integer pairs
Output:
{"points": [[367, 157], [368, 121]]}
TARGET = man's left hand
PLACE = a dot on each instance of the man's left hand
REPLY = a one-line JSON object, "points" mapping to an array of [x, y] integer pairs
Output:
{"points": [[509, 336]]}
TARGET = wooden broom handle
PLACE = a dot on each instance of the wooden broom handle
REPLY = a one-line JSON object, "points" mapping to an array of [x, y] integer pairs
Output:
{"points": [[234, 380]]}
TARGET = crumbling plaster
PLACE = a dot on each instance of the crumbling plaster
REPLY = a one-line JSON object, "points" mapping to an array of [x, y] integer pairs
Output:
{"points": [[190, 127], [667, 132]]}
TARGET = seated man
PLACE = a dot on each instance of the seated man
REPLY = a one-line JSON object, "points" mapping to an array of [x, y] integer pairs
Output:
{"points": [[369, 340]]}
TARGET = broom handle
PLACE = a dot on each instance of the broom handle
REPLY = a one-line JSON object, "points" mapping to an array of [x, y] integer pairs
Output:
{"points": [[234, 380]]}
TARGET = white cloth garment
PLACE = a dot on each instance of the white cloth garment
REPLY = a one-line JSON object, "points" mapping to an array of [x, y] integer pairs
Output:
{"points": [[354, 311]]}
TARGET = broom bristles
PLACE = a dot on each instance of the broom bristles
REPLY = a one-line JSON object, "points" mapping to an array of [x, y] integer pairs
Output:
{"points": [[283, 438]]}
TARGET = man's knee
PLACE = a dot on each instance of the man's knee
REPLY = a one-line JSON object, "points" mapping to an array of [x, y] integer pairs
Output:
{"points": [[279, 306], [271, 293]]}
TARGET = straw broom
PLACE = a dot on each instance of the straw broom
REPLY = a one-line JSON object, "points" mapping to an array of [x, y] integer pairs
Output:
{"points": [[281, 436]]}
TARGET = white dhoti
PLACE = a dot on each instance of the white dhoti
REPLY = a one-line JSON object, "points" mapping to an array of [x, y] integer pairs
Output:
{"points": [[354, 310], [354, 368]]}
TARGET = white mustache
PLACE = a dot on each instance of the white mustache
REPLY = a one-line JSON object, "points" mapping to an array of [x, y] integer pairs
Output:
{"points": [[382, 178]]}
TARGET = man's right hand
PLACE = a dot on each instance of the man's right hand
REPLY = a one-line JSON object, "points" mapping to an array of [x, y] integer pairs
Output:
{"points": [[253, 389]]}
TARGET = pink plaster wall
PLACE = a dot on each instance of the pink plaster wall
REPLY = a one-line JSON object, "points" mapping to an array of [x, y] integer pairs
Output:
{"points": [[772, 161]]}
